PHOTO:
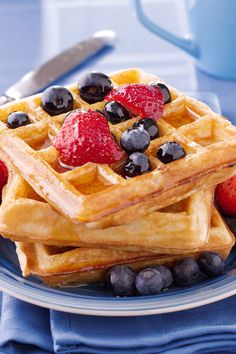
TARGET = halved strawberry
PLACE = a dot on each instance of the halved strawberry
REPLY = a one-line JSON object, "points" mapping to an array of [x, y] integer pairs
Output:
{"points": [[141, 100], [3, 175], [85, 137], [226, 196]]}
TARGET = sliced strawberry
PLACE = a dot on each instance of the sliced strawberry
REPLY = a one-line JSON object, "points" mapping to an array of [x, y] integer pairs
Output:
{"points": [[226, 196], [141, 100], [3, 175], [85, 137]]}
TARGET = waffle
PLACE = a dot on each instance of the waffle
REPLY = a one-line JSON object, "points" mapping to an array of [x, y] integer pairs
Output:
{"points": [[106, 194], [187, 223], [70, 226], [65, 266]]}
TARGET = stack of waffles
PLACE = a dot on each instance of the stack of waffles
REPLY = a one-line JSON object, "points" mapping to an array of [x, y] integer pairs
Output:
{"points": [[70, 226]]}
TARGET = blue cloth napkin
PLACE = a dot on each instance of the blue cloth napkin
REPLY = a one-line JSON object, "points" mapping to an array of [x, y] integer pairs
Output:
{"points": [[28, 329], [24, 328]]}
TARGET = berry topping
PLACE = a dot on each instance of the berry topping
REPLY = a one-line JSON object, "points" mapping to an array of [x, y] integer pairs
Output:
{"points": [[17, 119], [3, 175], [166, 275], [226, 196], [149, 281], [121, 280], [141, 100], [165, 91], [57, 100], [211, 263], [93, 87], [85, 137], [116, 113], [136, 164], [135, 140], [149, 125], [170, 151], [186, 272]]}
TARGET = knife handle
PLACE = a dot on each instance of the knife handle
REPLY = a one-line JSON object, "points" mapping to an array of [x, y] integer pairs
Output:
{"points": [[5, 99]]}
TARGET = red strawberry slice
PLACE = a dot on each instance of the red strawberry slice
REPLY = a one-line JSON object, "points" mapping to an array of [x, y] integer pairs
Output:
{"points": [[226, 196], [141, 100], [85, 137], [3, 175]]}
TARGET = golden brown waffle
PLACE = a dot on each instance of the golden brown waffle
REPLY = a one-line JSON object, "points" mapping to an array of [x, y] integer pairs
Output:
{"points": [[103, 193], [178, 228], [58, 266]]}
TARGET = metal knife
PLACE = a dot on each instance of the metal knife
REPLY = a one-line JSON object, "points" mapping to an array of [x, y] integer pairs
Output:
{"points": [[62, 63]]}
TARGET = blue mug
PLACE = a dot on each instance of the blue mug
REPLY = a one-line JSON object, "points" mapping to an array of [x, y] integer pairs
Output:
{"points": [[212, 41]]}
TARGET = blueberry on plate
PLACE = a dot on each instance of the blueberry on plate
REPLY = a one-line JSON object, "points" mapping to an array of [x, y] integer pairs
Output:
{"points": [[186, 272], [166, 274], [94, 86], [136, 164], [115, 112], [57, 100], [211, 263], [149, 281], [133, 140], [149, 125], [121, 280], [164, 90], [17, 119], [170, 151]]}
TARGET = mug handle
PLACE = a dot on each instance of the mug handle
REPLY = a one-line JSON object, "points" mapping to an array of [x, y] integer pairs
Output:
{"points": [[187, 45]]}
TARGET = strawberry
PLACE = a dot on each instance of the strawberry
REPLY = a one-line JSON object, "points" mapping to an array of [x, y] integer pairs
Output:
{"points": [[3, 175], [141, 100], [85, 137], [226, 196]]}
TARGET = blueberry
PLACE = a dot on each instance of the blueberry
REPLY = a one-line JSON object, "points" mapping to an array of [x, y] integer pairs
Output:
{"points": [[136, 164], [149, 281], [166, 274], [57, 100], [170, 151], [94, 86], [121, 280], [135, 140], [186, 272], [17, 119], [165, 91], [115, 112], [211, 263], [149, 125]]}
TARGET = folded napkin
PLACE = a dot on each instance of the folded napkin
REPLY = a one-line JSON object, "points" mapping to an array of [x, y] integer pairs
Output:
{"points": [[28, 329], [24, 328]]}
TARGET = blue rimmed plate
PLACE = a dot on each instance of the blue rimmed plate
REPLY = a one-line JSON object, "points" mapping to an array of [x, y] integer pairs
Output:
{"points": [[95, 300]]}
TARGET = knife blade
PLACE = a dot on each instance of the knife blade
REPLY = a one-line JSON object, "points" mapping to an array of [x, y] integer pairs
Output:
{"points": [[57, 66]]}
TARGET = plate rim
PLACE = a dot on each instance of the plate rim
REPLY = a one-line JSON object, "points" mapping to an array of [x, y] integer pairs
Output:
{"points": [[116, 313]]}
